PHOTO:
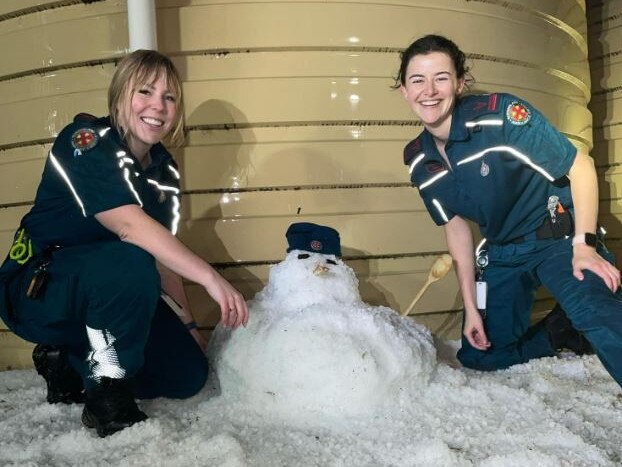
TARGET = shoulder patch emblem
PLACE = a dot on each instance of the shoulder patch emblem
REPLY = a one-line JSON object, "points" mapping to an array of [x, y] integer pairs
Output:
{"points": [[84, 139], [518, 114]]}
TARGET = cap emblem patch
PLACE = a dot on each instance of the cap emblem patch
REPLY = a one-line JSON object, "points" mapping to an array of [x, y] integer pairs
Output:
{"points": [[316, 245], [518, 114]]}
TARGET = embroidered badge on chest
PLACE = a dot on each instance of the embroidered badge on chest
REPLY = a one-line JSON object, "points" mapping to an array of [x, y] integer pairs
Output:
{"points": [[84, 139], [518, 114], [484, 169]]}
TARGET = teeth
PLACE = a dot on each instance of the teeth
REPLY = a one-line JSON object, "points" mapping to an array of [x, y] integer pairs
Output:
{"points": [[152, 121]]}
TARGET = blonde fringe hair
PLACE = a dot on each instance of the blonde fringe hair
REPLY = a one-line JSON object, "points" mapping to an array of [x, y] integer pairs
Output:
{"points": [[140, 68]]}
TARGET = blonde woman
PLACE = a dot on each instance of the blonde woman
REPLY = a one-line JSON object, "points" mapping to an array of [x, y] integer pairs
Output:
{"points": [[84, 275]]}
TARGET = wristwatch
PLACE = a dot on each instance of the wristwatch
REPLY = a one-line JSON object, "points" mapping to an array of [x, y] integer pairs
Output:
{"points": [[586, 238]]}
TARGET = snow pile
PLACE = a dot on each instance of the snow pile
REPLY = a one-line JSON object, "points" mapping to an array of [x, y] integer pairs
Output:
{"points": [[313, 347], [550, 412], [349, 385]]}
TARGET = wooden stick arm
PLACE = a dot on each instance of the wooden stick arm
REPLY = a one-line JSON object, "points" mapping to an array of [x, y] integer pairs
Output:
{"points": [[407, 311], [439, 269]]}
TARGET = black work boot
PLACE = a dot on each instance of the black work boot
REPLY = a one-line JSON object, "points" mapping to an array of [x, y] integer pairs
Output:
{"points": [[563, 335], [110, 407], [63, 382]]}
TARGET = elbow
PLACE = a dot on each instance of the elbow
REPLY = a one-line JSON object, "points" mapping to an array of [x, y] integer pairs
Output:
{"points": [[582, 167], [587, 161], [125, 221], [124, 235]]}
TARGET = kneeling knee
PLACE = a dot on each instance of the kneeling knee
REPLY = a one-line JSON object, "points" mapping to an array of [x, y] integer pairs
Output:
{"points": [[130, 267], [193, 382], [475, 361]]}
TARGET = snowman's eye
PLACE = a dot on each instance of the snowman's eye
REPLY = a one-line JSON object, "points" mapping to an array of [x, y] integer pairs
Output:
{"points": [[303, 256], [330, 261]]}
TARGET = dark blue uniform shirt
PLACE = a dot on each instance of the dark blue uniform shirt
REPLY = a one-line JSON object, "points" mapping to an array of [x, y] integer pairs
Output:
{"points": [[505, 161], [90, 170]]}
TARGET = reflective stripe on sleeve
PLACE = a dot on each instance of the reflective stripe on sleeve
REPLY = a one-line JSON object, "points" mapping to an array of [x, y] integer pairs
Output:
{"points": [[440, 210], [65, 177]]}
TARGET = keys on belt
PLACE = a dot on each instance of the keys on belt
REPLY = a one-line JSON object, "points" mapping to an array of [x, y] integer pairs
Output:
{"points": [[41, 275], [21, 250]]}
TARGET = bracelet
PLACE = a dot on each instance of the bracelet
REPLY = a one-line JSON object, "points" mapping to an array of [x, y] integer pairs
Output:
{"points": [[191, 325]]}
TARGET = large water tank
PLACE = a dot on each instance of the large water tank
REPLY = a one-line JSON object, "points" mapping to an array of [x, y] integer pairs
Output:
{"points": [[605, 44], [291, 117]]}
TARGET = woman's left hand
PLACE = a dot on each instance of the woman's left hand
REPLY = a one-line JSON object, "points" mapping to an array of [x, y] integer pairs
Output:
{"points": [[586, 257]]}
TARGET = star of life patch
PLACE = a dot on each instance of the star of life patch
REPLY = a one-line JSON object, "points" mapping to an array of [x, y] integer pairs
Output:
{"points": [[84, 139], [518, 114]]}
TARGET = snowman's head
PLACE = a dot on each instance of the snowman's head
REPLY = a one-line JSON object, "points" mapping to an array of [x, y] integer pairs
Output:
{"points": [[306, 278]]}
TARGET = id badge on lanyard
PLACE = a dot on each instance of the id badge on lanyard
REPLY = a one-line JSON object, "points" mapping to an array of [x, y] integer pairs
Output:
{"points": [[481, 287]]}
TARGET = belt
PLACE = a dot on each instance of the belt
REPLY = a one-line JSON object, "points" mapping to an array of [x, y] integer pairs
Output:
{"points": [[543, 232], [563, 226]]}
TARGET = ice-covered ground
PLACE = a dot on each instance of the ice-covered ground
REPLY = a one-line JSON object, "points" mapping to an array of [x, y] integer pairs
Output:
{"points": [[319, 378], [550, 412]]}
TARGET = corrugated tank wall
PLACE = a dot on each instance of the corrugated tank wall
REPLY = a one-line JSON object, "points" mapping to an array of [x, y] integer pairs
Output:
{"points": [[290, 118], [605, 44]]}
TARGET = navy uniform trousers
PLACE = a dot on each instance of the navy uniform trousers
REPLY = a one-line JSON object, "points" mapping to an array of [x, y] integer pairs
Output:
{"points": [[111, 286], [513, 274]]}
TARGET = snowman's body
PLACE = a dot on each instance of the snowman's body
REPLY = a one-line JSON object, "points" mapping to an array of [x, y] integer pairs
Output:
{"points": [[313, 347]]}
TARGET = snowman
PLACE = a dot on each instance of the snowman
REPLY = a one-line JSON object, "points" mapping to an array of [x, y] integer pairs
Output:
{"points": [[312, 347]]}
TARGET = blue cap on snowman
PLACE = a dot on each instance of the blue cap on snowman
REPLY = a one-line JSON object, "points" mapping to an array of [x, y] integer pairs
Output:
{"points": [[313, 238]]}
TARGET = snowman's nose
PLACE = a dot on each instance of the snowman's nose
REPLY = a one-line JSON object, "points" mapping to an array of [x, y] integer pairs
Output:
{"points": [[320, 269]]}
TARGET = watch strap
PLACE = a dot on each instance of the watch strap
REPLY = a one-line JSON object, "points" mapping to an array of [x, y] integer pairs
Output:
{"points": [[586, 238]]}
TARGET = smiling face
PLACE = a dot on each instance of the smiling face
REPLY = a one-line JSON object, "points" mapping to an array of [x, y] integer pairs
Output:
{"points": [[149, 116], [431, 87]]}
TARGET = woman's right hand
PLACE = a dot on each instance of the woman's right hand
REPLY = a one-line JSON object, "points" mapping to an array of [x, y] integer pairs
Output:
{"points": [[474, 331], [233, 310]]}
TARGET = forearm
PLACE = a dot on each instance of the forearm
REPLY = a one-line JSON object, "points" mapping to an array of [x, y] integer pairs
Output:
{"points": [[133, 226], [584, 190], [172, 285], [460, 245]]}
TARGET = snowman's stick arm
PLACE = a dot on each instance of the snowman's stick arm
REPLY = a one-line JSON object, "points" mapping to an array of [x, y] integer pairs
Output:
{"points": [[439, 269], [407, 311]]}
